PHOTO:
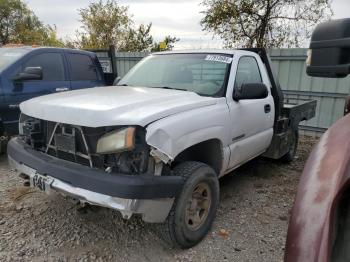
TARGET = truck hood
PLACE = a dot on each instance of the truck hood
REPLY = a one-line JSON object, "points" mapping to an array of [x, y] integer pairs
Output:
{"points": [[113, 105]]}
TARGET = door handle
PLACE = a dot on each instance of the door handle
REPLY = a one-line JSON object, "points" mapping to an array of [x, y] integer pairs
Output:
{"points": [[61, 89], [267, 108]]}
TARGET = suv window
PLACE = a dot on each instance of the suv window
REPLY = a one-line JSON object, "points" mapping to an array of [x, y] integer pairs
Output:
{"points": [[247, 71], [82, 67], [51, 64]]}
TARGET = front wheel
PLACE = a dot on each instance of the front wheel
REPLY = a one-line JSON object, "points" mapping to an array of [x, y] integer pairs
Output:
{"points": [[195, 208]]}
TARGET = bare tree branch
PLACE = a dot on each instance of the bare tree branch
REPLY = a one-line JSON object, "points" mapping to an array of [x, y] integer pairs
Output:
{"points": [[264, 23]]}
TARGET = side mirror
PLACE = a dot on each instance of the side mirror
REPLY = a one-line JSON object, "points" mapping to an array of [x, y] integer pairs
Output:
{"points": [[250, 91], [330, 50], [116, 80], [29, 73]]}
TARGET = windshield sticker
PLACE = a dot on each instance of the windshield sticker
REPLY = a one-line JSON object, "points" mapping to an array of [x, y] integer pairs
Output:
{"points": [[219, 58]]}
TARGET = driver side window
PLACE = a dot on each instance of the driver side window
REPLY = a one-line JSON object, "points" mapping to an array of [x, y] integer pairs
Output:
{"points": [[247, 71], [51, 64]]}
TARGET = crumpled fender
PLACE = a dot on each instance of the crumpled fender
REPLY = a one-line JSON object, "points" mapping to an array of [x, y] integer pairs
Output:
{"points": [[325, 177], [174, 134]]}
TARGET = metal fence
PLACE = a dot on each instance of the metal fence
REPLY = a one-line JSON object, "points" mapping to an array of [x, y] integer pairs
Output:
{"points": [[329, 93], [126, 60], [290, 67]]}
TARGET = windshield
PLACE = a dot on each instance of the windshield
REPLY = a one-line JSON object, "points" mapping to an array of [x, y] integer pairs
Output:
{"points": [[10, 55], [204, 74]]}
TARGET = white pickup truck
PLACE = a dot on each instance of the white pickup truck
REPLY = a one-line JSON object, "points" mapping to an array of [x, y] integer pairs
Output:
{"points": [[156, 144]]}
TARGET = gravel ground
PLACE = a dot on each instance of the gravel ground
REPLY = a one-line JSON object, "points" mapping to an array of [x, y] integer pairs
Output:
{"points": [[251, 223]]}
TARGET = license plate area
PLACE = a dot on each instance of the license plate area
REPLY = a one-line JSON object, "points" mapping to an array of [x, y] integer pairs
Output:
{"points": [[41, 182]]}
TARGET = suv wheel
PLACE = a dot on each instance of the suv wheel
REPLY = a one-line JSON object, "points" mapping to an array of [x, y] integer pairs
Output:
{"points": [[195, 208]]}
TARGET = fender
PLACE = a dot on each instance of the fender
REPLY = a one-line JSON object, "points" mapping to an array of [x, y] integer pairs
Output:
{"points": [[325, 177], [174, 134]]}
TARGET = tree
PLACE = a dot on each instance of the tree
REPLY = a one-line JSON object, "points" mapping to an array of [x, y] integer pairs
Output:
{"points": [[105, 24], [169, 42], [138, 40], [32, 32], [11, 13], [18, 24], [265, 23]]}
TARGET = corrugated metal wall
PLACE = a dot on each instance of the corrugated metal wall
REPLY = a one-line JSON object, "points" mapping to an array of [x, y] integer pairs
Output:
{"points": [[126, 60], [329, 93], [290, 68]]}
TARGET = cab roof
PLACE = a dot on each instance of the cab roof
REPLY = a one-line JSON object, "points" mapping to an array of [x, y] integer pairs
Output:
{"points": [[43, 48], [205, 51]]}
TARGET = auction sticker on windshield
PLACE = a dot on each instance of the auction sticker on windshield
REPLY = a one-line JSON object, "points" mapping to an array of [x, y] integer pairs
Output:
{"points": [[219, 58]]}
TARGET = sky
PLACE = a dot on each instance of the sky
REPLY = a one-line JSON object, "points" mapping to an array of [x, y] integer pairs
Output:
{"points": [[180, 18]]}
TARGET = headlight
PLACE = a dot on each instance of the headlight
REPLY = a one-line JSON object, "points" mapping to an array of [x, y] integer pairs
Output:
{"points": [[116, 141]]}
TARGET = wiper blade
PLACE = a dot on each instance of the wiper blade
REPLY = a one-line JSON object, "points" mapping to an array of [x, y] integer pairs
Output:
{"points": [[168, 87], [123, 85]]}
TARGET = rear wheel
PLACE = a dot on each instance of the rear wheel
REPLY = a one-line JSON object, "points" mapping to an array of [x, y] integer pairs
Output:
{"points": [[293, 146], [195, 208]]}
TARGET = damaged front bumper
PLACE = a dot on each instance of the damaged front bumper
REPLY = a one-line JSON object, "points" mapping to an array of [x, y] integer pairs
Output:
{"points": [[146, 195]]}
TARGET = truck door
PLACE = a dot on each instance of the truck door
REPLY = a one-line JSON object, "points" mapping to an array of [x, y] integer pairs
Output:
{"points": [[54, 80], [84, 71], [252, 119]]}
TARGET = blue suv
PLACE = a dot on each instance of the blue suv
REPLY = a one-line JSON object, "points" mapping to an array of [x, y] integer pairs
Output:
{"points": [[27, 72]]}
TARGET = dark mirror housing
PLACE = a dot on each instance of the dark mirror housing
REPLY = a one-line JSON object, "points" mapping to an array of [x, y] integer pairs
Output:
{"points": [[250, 91], [330, 50], [30, 73]]}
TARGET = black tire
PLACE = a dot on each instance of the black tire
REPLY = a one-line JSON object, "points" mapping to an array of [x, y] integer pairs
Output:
{"points": [[3, 145], [176, 230], [293, 147]]}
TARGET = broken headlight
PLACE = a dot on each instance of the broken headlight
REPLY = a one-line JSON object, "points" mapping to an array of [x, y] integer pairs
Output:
{"points": [[116, 141], [124, 150]]}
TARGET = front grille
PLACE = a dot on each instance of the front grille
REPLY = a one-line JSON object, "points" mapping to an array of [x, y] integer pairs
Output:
{"points": [[78, 144], [72, 143]]}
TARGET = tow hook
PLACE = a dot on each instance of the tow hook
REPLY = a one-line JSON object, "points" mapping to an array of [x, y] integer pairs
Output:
{"points": [[26, 182], [83, 208]]}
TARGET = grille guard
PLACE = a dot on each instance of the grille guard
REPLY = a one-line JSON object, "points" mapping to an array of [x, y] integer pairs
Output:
{"points": [[64, 133]]}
